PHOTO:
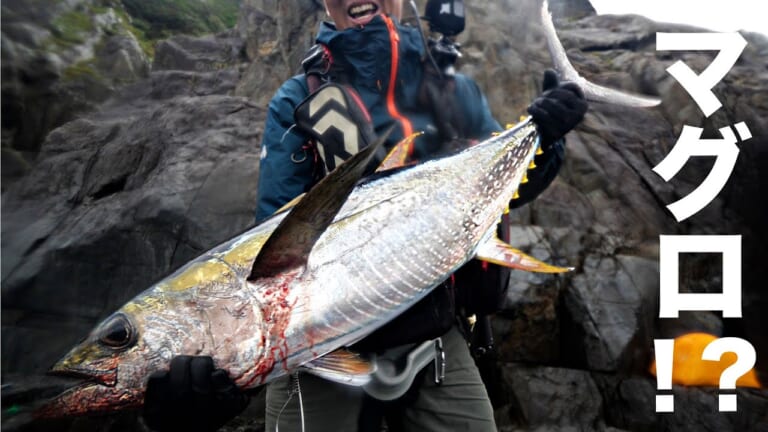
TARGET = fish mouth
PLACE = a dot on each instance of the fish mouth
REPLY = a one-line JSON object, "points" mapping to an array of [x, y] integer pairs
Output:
{"points": [[96, 392], [361, 13], [65, 403], [89, 398], [106, 377]]}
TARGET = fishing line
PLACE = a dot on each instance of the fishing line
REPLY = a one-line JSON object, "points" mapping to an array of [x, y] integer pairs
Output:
{"points": [[293, 389], [427, 51]]}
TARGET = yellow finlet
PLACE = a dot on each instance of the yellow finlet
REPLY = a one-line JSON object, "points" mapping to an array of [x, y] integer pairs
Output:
{"points": [[539, 151], [514, 197], [532, 165], [525, 178]]}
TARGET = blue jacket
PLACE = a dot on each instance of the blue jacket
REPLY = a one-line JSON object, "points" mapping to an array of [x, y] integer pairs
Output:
{"points": [[287, 168]]}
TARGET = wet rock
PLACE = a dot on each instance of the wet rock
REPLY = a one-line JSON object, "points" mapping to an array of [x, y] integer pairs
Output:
{"points": [[199, 54], [120, 200], [59, 61], [630, 404], [543, 397], [608, 315], [277, 35], [528, 330], [121, 58]]}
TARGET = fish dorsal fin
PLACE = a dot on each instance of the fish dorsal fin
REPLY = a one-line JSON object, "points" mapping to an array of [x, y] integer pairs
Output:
{"points": [[496, 251], [290, 204], [342, 366], [290, 243]]}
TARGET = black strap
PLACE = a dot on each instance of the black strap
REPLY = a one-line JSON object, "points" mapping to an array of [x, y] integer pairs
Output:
{"points": [[321, 67], [316, 64], [437, 94]]}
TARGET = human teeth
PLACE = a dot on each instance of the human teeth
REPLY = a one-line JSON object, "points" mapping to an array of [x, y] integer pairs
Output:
{"points": [[361, 9]]}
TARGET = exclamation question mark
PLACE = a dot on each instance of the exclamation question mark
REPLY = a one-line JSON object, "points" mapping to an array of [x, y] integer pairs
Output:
{"points": [[665, 349], [744, 362], [700, 373]]}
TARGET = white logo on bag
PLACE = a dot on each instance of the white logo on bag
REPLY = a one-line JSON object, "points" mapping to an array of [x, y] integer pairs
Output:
{"points": [[334, 119]]}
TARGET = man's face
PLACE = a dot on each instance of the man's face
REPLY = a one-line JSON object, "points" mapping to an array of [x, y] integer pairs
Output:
{"points": [[357, 13]]}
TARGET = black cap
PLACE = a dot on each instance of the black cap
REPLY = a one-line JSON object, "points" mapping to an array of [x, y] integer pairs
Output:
{"points": [[445, 16]]}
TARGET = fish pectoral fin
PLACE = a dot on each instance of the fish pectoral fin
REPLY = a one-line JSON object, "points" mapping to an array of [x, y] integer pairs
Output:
{"points": [[342, 366], [496, 251]]}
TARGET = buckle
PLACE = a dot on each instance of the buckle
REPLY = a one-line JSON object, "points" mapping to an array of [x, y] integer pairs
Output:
{"points": [[439, 362], [391, 380]]}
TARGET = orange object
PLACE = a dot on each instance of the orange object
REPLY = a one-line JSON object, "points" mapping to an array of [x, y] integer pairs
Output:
{"points": [[394, 39], [689, 369], [398, 156]]}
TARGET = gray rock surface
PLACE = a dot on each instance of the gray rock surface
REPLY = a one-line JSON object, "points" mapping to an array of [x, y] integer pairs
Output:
{"points": [[198, 54], [59, 59], [544, 396], [138, 193], [277, 35]]}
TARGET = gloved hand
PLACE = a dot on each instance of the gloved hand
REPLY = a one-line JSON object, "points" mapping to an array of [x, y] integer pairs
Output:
{"points": [[559, 109], [191, 396]]}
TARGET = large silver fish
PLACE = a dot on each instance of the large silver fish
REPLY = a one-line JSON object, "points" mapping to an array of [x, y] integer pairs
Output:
{"points": [[289, 293]]}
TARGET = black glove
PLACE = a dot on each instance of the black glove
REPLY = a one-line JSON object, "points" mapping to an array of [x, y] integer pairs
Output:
{"points": [[191, 396], [559, 109]]}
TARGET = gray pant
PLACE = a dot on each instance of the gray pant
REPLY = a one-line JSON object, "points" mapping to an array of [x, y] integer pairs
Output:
{"points": [[460, 403]]}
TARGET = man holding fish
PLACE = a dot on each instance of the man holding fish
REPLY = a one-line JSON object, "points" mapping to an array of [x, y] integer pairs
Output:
{"points": [[384, 66]]}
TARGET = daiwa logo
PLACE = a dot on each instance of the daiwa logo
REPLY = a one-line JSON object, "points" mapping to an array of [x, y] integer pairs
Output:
{"points": [[328, 112]]}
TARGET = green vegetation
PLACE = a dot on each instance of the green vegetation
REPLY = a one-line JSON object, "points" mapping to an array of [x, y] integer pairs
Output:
{"points": [[158, 19], [83, 69], [147, 44], [148, 20], [70, 27]]}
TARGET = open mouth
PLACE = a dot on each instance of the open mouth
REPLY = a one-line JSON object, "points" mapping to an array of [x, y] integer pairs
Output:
{"points": [[361, 13]]}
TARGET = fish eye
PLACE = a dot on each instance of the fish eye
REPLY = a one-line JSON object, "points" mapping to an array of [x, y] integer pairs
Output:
{"points": [[117, 332]]}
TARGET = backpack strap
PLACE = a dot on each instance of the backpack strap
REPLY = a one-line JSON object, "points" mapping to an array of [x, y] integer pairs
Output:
{"points": [[320, 67], [317, 65]]}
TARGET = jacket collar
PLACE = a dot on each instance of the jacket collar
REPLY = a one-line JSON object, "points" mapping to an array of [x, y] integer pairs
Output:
{"points": [[358, 46]]}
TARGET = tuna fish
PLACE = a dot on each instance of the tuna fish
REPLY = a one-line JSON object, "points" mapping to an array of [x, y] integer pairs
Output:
{"points": [[291, 292]]}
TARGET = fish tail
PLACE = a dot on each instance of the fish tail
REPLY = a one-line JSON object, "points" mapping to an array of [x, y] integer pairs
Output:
{"points": [[592, 91]]}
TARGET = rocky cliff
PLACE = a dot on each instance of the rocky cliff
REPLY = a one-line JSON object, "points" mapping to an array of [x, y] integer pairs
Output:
{"points": [[167, 167], [63, 59]]}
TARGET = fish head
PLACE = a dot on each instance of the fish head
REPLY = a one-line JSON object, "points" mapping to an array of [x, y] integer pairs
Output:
{"points": [[114, 362], [201, 310], [106, 363]]}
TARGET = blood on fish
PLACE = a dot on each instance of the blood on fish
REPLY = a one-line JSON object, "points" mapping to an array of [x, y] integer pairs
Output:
{"points": [[277, 314]]}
